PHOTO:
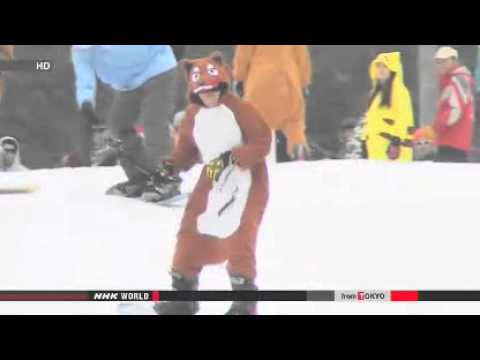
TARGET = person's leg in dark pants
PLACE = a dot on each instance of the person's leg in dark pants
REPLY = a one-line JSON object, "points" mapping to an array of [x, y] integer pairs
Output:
{"points": [[157, 111], [282, 153], [447, 154], [123, 115]]}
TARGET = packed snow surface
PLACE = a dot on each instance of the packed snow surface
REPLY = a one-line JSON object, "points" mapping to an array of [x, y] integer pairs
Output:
{"points": [[330, 225]]}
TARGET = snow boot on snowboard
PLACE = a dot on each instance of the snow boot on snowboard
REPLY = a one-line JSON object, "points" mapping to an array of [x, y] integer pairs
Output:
{"points": [[179, 283], [133, 188], [240, 283], [163, 185]]}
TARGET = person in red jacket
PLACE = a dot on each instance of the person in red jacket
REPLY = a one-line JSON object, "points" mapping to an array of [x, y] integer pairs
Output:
{"points": [[454, 124]]}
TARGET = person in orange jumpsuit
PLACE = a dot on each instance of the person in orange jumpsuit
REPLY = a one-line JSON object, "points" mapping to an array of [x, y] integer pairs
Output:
{"points": [[275, 79]]}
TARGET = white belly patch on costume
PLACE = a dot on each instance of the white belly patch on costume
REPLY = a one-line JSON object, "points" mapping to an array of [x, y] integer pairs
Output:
{"points": [[216, 131]]}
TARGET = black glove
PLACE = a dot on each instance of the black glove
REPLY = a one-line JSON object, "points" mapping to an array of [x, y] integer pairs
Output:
{"points": [[89, 114], [240, 89], [396, 141], [216, 167]]}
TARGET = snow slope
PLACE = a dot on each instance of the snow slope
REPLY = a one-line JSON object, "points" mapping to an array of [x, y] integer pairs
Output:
{"points": [[333, 225]]}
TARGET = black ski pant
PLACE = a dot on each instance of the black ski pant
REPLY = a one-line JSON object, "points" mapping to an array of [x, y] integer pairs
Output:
{"points": [[153, 105]]}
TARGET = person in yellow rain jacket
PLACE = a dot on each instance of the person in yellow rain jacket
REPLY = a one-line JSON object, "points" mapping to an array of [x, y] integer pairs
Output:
{"points": [[389, 119], [276, 79]]}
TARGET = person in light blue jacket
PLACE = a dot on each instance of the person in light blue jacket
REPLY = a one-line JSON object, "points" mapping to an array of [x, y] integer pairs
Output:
{"points": [[144, 78]]}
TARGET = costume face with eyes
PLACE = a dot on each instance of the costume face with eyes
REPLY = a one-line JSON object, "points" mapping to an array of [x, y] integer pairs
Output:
{"points": [[208, 79]]}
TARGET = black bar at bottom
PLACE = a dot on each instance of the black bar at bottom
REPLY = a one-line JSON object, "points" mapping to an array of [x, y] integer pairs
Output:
{"points": [[449, 296], [274, 296]]}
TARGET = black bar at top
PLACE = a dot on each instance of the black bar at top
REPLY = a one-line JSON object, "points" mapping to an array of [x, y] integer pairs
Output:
{"points": [[446, 296]]}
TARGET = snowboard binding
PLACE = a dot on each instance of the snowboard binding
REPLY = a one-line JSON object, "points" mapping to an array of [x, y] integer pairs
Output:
{"points": [[154, 187], [162, 185]]}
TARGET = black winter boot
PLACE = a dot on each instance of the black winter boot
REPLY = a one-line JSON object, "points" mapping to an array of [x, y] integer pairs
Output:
{"points": [[134, 187], [179, 283], [240, 283]]}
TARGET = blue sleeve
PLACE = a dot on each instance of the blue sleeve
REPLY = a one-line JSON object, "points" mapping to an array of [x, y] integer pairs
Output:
{"points": [[165, 52], [85, 78]]}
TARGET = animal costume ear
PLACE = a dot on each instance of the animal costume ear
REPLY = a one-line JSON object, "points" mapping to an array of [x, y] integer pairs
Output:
{"points": [[217, 56], [187, 66]]}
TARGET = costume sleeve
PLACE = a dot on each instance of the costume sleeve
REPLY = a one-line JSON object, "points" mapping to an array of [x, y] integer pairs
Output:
{"points": [[404, 118], [241, 61], [257, 136], [304, 63]]}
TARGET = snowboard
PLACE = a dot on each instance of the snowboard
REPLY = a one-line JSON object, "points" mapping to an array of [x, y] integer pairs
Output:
{"points": [[12, 190], [177, 202]]}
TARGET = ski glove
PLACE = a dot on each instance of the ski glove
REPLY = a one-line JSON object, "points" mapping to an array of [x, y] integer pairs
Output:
{"points": [[89, 114], [216, 167]]}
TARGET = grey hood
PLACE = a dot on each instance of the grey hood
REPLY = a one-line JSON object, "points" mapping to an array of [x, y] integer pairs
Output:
{"points": [[17, 163]]}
